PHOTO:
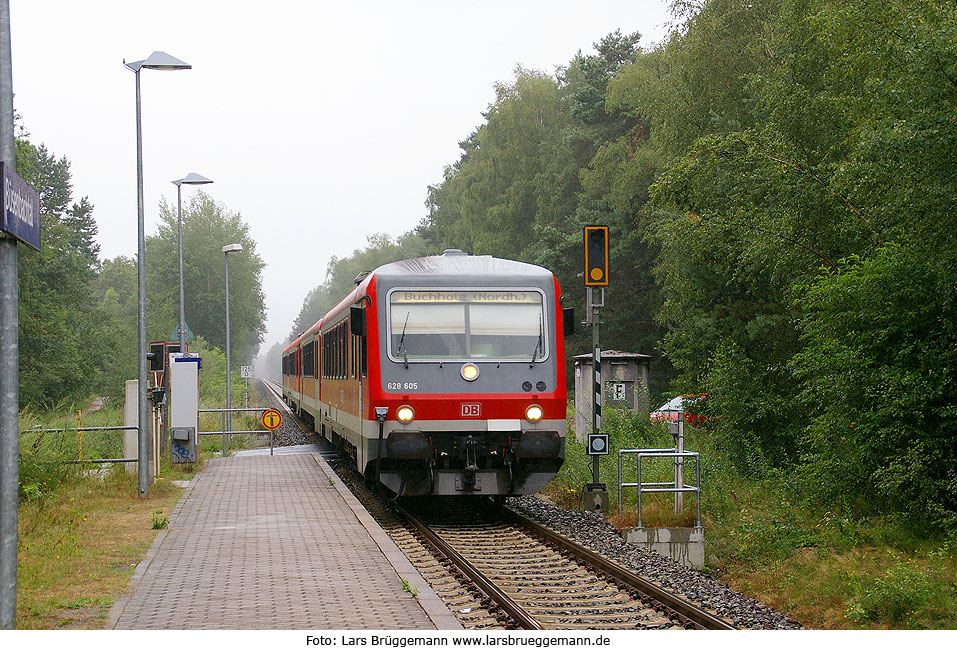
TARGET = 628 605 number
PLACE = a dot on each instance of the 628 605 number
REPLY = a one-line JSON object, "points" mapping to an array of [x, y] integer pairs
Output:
{"points": [[402, 386]]}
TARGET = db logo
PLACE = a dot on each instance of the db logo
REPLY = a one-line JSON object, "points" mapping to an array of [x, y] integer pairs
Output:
{"points": [[471, 410]]}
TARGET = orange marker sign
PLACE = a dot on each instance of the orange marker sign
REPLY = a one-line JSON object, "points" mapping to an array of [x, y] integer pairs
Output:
{"points": [[271, 419]]}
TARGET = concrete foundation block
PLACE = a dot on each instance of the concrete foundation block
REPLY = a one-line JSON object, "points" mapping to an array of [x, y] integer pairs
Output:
{"points": [[683, 545]]}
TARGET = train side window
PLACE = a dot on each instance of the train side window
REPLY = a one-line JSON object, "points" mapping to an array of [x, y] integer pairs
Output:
{"points": [[353, 358], [332, 353], [309, 359], [338, 353], [343, 352]]}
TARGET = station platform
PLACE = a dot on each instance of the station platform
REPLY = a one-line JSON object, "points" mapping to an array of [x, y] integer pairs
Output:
{"points": [[275, 542]]}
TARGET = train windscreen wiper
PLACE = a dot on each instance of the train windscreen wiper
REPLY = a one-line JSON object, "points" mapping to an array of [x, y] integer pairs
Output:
{"points": [[538, 345], [405, 355]]}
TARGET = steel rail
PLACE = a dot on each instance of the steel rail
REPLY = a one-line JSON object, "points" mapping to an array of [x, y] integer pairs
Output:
{"points": [[699, 617], [509, 606]]}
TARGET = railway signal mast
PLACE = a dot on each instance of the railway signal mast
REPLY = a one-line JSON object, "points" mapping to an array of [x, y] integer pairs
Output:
{"points": [[596, 279]]}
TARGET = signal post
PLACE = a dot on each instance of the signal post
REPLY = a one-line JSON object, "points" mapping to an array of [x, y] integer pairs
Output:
{"points": [[595, 494]]}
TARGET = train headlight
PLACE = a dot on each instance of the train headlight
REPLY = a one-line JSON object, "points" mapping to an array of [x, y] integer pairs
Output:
{"points": [[470, 371], [534, 413], [405, 414]]}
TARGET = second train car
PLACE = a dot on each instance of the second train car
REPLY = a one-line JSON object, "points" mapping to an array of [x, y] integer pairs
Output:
{"points": [[441, 375]]}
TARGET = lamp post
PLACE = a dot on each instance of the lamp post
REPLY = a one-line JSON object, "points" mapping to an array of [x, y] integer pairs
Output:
{"points": [[227, 250], [9, 356], [191, 179], [156, 61]]}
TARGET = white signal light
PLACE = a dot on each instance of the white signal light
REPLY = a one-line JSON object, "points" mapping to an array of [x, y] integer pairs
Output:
{"points": [[534, 413], [405, 414], [470, 371]]}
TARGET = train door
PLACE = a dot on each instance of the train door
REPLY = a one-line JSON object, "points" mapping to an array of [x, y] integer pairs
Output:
{"points": [[357, 328], [318, 375]]}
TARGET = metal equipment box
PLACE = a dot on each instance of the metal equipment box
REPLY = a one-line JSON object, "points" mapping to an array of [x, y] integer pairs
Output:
{"points": [[184, 407]]}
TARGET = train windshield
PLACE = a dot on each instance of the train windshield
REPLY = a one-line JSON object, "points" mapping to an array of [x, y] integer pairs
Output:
{"points": [[467, 324]]}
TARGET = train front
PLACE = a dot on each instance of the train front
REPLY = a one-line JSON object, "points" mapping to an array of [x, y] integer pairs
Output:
{"points": [[471, 383]]}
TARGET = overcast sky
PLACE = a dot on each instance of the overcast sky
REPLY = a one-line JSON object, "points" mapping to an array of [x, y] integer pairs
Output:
{"points": [[320, 122]]}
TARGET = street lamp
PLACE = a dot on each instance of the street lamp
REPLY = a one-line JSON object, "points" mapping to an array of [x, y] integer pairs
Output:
{"points": [[227, 250], [156, 61], [191, 179]]}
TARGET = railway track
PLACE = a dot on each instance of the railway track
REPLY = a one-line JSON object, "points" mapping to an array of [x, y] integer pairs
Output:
{"points": [[495, 568], [544, 581]]}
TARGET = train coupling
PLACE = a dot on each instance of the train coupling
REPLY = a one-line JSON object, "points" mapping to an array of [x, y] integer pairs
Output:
{"points": [[471, 466]]}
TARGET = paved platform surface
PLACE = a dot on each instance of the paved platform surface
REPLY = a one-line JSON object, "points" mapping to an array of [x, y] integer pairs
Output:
{"points": [[265, 542]]}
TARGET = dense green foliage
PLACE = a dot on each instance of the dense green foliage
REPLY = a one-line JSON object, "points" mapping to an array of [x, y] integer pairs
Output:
{"points": [[779, 182], [60, 323], [77, 314]]}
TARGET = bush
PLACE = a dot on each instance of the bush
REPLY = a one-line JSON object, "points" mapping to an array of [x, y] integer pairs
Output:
{"points": [[895, 598], [880, 371]]}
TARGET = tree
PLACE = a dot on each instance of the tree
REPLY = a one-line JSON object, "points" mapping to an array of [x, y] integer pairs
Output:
{"points": [[115, 290], [60, 327], [207, 227]]}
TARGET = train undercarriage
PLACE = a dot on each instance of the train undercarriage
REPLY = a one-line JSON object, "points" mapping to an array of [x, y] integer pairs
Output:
{"points": [[413, 463]]}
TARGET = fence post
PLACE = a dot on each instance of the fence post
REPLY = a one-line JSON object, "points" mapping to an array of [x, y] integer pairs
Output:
{"points": [[680, 464]]}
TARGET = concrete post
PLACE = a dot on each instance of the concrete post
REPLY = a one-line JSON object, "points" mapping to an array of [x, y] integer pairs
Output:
{"points": [[130, 418]]}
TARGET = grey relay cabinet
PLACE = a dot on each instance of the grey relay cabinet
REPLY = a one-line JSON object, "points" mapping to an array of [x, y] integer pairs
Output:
{"points": [[624, 384]]}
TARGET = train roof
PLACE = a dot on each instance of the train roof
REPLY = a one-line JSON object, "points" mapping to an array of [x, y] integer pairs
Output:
{"points": [[454, 264]]}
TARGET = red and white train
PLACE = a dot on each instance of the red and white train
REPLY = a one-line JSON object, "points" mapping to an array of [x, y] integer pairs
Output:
{"points": [[441, 375]]}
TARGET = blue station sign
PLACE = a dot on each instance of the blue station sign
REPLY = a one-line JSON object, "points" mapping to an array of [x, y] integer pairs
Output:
{"points": [[21, 207]]}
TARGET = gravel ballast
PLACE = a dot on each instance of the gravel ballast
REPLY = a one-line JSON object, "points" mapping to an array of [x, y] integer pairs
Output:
{"points": [[591, 530]]}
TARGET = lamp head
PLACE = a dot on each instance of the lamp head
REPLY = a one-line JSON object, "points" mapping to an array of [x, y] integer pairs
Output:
{"points": [[193, 179], [230, 249], [158, 61]]}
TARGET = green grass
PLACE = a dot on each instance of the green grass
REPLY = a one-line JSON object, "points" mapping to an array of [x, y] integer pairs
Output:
{"points": [[78, 545]]}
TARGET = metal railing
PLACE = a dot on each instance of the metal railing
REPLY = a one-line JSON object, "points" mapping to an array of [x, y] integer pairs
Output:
{"points": [[229, 434], [79, 430], [675, 486]]}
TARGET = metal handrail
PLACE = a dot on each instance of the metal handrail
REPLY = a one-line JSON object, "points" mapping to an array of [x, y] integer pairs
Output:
{"points": [[230, 433], [83, 429], [669, 487]]}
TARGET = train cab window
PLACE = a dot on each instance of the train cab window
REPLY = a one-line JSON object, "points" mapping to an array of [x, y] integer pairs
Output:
{"points": [[467, 324]]}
